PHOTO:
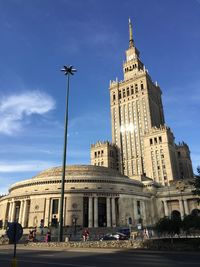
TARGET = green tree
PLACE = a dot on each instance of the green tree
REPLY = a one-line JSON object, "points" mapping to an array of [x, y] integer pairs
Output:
{"points": [[191, 223], [196, 184], [167, 226], [162, 226], [188, 224]]}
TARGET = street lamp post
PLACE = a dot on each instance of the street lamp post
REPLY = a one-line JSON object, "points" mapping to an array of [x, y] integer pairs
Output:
{"points": [[67, 71]]}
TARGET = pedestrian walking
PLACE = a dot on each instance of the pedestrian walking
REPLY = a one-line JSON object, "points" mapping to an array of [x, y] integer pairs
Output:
{"points": [[48, 237]]}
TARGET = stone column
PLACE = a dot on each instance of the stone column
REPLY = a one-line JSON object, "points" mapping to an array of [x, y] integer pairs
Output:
{"points": [[90, 212], [95, 211], [135, 212], [46, 215], [10, 211], [113, 213], [144, 213], [50, 211], [166, 211], [24, 215], [108, 212], [21, 211], [13, 212], [186, 207], [152, 213], [181, 208]]}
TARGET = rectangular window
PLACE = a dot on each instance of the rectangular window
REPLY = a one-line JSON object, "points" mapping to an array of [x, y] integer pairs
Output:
{"points": [[155, 140], [142, 86], [136, 88], [151, 141], [138, 208], [127, 92], [132, 92], [160, 139], [55, 206], [124, 93]]}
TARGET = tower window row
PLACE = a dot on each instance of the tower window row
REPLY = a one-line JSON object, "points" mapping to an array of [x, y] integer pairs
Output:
{"points": [[98, 153], [129, 91], [155, 140], [134, 66]]}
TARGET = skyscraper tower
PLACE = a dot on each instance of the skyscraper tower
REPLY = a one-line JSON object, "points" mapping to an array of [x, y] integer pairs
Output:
{"points": [[136, 107], [145, 144]]}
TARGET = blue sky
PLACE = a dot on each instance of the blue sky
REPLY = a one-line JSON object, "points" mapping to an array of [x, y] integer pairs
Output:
{"points": [[38, 37]]}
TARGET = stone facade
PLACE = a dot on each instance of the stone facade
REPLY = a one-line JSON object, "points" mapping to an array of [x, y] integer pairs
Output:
{"points": [[160, 155], [96, 196], [105, 154], [138, 126], [139, 182], [185, 164]]}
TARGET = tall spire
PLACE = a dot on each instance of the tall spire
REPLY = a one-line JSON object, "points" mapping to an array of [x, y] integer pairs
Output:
{"points": [[131, 42]]}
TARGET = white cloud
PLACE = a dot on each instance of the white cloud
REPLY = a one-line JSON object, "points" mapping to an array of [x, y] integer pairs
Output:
{"points": [[25, 166], [15, 109]]}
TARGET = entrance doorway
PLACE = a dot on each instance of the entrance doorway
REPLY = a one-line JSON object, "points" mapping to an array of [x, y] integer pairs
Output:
{"points": [[85, 211], [102, 212]]}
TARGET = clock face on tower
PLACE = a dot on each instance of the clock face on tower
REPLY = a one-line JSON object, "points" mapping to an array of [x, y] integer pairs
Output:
{"points": [[130, 57]]}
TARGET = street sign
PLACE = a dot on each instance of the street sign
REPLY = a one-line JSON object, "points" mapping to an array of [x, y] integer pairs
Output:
{"points": [[14, 232]]}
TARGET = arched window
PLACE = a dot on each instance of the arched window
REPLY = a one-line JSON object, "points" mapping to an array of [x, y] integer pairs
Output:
{"points": [[175, 214]]}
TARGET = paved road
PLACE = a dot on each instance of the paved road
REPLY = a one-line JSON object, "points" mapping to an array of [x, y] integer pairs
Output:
{"points": [[98, 258]]}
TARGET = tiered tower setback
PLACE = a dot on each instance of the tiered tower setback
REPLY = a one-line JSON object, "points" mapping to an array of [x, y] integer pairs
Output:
{"points": [[105, 154], [137, 117], [136, 107]]}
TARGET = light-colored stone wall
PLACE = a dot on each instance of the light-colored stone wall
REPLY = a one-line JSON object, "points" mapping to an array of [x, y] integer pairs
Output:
{"points": [[105, 154], [121, 194], [160, 155], [136, 109], [35, 196], [184, 160], [36, 211], [74, 208]]}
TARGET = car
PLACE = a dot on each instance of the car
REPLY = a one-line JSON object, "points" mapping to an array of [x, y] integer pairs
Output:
{"points": [[125, 231], [121, 236], [108, 237], [114, 236]]}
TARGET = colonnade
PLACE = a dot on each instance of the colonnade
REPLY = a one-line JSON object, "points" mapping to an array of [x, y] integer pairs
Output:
{"points": [[23, 212], [93, 212], [183, 207]]}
